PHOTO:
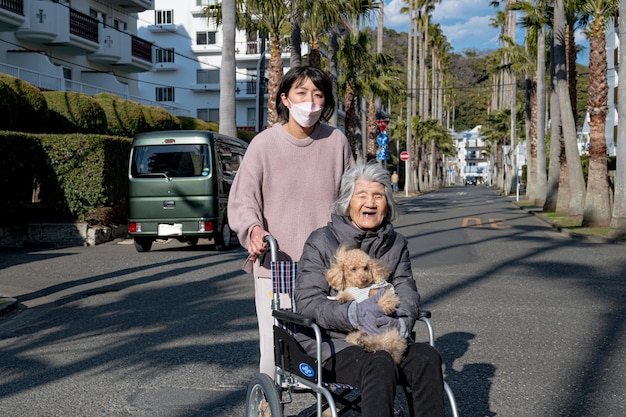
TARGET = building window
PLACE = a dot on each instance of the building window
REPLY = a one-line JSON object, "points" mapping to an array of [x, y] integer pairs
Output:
{"points": [[119, 25], [206, 76], [205, 38], [206, 2], [164, 93], [164, 17], [209, 115], [164, 55]]}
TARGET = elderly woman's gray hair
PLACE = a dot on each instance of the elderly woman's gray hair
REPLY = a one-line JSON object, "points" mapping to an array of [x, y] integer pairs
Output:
{"points": [[369, 172]]}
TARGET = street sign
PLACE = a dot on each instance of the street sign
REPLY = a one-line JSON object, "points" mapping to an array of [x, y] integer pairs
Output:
{"points": [[382, 139], [404, 156], [382, 155], [382, 124]]}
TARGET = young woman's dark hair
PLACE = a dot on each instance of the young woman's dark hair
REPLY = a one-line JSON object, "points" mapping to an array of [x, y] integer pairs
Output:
{"points": [[297, 76]]}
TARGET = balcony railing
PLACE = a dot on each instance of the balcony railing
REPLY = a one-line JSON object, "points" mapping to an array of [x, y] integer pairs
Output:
{"points": [[49, 82], [141, 48], [14, 6], [83, 26]]}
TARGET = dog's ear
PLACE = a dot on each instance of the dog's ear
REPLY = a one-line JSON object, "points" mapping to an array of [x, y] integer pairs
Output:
{"points": [[379, 269], [334, 275]]}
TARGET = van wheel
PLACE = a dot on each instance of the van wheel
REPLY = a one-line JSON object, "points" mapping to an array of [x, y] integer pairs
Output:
{"points": [[143, 244], [223, 239]]}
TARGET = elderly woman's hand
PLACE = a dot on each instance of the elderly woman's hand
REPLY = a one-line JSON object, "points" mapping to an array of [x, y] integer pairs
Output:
{"points": [[363, 315], [386, 323]]}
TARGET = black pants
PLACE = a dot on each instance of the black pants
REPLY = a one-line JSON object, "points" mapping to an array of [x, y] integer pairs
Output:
{"points": [[376, 375]]}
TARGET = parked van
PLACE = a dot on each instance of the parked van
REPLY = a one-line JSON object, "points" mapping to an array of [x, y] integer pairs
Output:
{"points": [[178, 185]]}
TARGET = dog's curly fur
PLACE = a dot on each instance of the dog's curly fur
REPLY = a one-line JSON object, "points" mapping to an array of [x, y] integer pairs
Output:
{"points": [[355, 268]]}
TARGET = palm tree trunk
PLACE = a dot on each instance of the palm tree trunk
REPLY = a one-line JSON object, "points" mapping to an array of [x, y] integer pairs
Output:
{"points": [[275, 74], [531, 166], [541, 190], [552, 189], [576, 180], [227, 111], [295, 58], [597, 211], [618, 218]]}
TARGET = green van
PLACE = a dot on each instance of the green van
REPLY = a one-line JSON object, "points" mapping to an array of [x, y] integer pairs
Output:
{"points": [[178, 185]]}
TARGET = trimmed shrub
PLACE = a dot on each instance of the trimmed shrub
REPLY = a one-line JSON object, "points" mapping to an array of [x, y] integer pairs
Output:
{"points": [[191, 123], [158, 118], [124, 117], [72, 112], [22, 106]]}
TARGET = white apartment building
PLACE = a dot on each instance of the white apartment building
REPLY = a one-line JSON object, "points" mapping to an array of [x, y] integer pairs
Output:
{"points": [[155, 52], [88, 46], [188, 57]]}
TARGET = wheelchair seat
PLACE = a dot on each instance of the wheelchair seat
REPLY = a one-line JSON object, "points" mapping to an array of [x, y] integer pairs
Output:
{"points": [[298, 372]]}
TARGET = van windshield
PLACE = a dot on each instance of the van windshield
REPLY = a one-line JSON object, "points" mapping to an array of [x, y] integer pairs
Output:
{"points": [[171, 161]]}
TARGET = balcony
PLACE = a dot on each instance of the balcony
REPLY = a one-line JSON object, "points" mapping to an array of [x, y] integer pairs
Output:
{"points": [[110, 46], [165, 28], [53, 24], [11, 15], [131, 6], [202, 88], [137, 54]]}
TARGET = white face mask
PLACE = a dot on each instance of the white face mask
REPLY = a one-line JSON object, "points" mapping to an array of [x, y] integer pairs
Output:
{"points": [[306, 114]]}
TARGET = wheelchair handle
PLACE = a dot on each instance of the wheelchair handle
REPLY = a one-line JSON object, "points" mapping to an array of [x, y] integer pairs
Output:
{"points": [[273, 246]]}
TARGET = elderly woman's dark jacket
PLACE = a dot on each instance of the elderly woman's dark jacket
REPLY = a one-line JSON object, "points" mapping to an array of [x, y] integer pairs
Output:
{"points": [[312, 289]]}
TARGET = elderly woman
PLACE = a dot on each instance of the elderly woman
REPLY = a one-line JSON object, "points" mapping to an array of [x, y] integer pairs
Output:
{"points": [[361, 218]]}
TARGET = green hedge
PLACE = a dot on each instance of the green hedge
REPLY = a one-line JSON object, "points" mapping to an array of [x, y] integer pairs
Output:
{"points": [[72, 112], [22, 106], [68, 176]]}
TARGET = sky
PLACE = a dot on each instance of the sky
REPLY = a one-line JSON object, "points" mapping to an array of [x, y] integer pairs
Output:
{"points": [[465, 23]]}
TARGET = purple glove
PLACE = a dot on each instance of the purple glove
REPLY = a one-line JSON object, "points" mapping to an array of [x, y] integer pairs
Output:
{"points": [[363, 315], [386, 323]]}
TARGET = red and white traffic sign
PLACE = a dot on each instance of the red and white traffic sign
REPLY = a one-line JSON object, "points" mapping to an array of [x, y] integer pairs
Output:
{"points": [[382, 124], [404, 156]]}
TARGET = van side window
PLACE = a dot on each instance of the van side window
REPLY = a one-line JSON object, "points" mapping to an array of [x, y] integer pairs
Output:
{"points": [[230, 158], [171, 160]]}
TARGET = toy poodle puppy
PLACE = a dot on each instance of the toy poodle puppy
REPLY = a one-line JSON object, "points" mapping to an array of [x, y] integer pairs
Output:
{"points": [[356, 276]]}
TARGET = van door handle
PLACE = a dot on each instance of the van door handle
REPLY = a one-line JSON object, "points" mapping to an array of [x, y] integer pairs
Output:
{"points": [[169, 204]]}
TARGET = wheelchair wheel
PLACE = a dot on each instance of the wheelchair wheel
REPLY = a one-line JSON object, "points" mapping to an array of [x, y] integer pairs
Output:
{"points": [[262, 399]]}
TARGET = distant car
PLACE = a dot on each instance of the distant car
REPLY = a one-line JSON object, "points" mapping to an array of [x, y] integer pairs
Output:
{"points": [[471, 180]]}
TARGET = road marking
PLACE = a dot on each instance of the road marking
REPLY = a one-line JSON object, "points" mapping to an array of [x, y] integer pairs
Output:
{"points": [[476, 222]]}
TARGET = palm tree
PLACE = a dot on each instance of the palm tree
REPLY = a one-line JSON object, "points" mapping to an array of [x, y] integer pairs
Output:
{"points": [[269, 18], [295, 58], [380, 79], [352, 56], [575, 178], [228, 123], [535, 20], [618, 218], [597, 210]]}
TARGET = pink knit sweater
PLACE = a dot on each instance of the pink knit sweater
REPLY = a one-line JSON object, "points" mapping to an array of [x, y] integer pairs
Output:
{"points": [[286, 185]]}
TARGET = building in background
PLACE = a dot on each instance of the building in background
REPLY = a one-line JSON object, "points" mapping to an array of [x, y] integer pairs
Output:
{"points": [[188, 57], [84, 46]]}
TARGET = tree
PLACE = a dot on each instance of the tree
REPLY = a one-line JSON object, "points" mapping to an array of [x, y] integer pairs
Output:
{"points": [[352, 56], [618, 218], [574, 172], [597, 210], [228, 122]]}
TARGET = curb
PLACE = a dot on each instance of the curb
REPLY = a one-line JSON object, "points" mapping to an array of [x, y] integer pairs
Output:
{"points": [[569, 233], [7, 305]]}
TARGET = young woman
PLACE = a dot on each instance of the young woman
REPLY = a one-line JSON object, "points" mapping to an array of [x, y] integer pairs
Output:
{"points": [[288, 179]]}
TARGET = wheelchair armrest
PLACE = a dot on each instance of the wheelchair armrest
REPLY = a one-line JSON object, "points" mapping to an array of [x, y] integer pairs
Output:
{"points": [[290, 317], [424, 313]]}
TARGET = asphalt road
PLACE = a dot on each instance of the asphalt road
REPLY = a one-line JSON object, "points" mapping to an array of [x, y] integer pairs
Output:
{"points": [[530, 322]]}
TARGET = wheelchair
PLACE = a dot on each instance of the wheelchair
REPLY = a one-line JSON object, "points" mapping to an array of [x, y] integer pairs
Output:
{"points": [[297, 372]]}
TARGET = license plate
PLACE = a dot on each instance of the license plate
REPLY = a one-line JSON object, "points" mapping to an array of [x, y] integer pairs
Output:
{"points": [[175, 229]]}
